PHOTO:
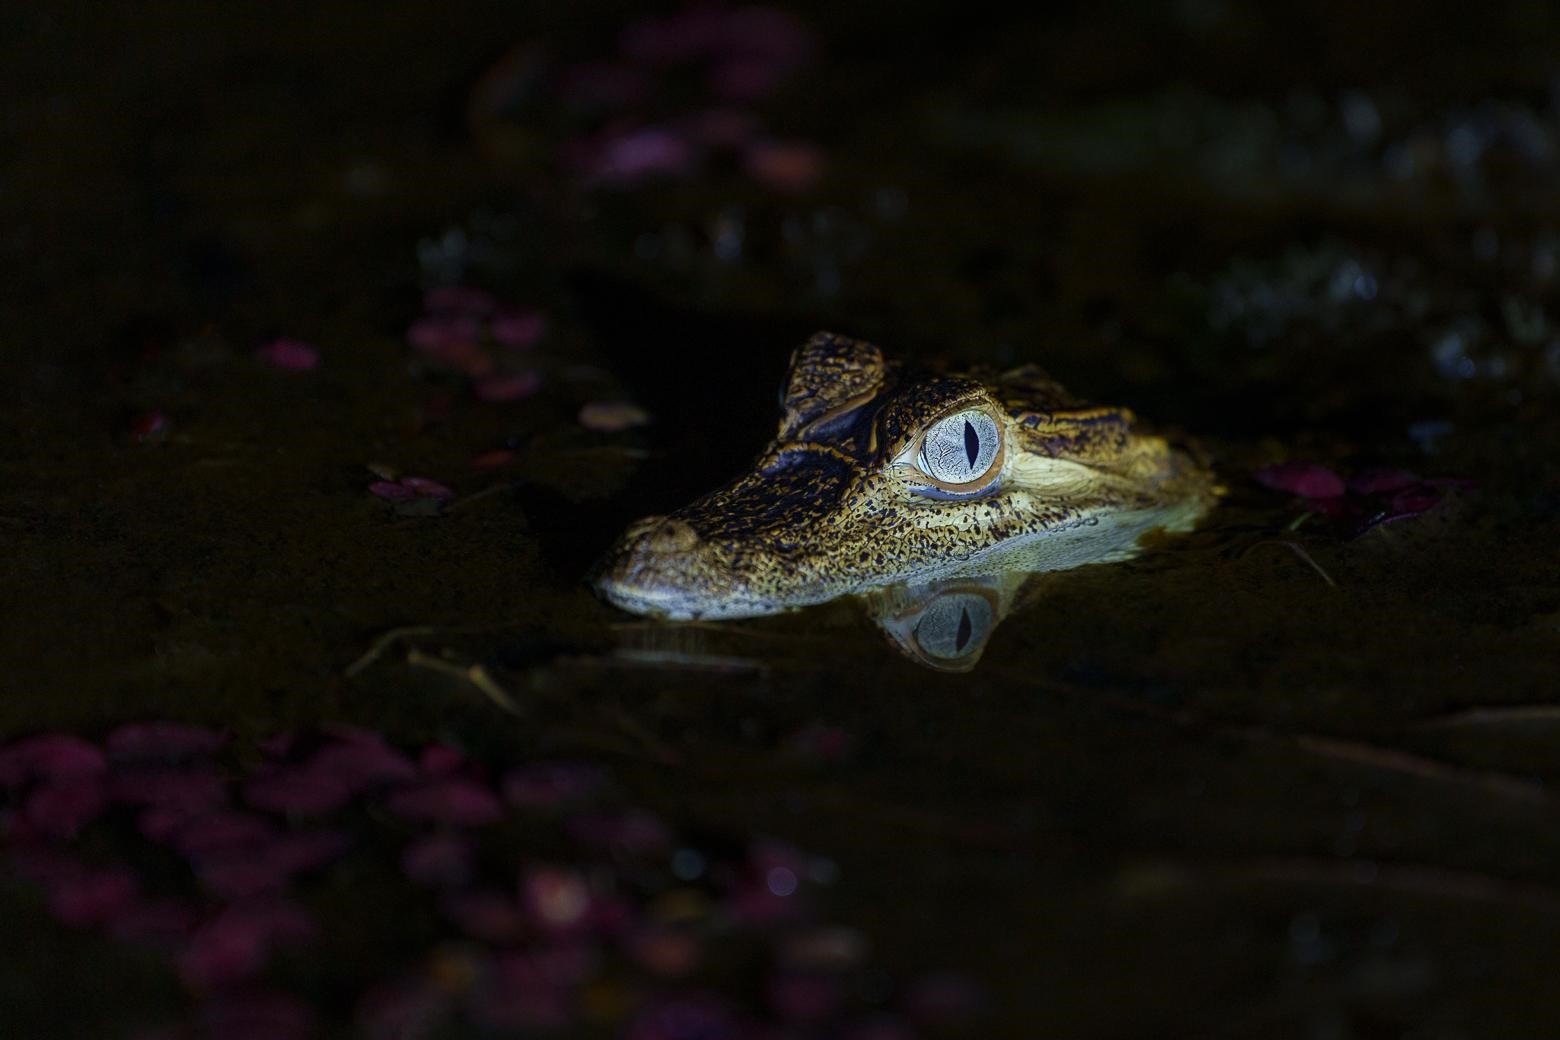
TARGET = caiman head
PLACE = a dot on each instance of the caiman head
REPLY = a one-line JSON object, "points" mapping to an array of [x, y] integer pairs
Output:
{"points": [[882, 475]]}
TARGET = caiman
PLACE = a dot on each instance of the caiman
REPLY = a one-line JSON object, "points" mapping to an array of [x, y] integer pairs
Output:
{"points": [[883, 475]]}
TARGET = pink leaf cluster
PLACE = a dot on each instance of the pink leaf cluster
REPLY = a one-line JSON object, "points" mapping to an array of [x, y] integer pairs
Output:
{"points": [[409, 489], [289, 355], [534, 931], [740, 56], [1366, 499], [467, 331]]}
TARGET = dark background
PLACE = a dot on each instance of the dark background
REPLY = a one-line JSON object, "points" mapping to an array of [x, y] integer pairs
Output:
{"points": [[1275, 780]]}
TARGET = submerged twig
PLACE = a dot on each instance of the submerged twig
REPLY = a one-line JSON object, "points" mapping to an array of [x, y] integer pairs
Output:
{"points": [[1503, 784], [1493, 716], [1298, 550], [682, 660], [1407, 763], [475, 674], [386, 640]]}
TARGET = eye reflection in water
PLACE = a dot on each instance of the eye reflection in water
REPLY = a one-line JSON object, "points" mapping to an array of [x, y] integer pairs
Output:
{"points": [[945, 625]]}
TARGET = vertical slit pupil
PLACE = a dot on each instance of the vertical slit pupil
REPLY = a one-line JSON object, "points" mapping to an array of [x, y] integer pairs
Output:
{"points": [[971, 442], [966, 629]]}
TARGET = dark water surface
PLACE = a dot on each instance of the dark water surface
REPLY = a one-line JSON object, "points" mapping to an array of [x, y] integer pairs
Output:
{"points": [[1287, 776]]}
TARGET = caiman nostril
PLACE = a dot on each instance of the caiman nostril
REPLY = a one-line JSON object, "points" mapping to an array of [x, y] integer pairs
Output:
{"points": [[670, 536]]}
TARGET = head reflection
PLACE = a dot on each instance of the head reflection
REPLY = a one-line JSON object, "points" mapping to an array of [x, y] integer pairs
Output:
{"points": [[945, 625]]}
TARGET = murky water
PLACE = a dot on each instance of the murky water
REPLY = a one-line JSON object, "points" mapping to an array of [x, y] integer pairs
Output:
{"points": [[339, 342]]}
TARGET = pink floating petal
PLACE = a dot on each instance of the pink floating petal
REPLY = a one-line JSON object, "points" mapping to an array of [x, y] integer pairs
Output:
{"points": [[821, 743], [452, 800], [48, 755], [784, 166], [240, 872], [290, 355], [610, 915], [60, 808], [1412, 501], [161, 822], [612, 416], [169, 787], [771, 901], [282, 921], [493, 459], [835, 949], [172, 741], [557, 899], [364, 763], [425, 488], [439, 333], [219, 955], [664, 951], [438, 860], [298, 790], [643, 154], [632, 832], [91, 897], [548, 785], [1380, 481], [441, 760], [150, 427], [721, 128], [517, 329], [503, 388], [469, 359], [236, 944], [392, 491], [1305, 479], [458, 299]]}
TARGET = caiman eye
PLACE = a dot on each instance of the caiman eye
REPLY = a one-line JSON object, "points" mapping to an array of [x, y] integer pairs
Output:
{"points": [[962, 452]]}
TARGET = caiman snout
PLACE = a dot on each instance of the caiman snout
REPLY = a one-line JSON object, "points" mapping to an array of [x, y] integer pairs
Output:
{"points": [[658, 567]]}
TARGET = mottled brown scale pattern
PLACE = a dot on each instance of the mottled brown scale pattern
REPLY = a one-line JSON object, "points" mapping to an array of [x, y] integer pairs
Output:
{"points": [[837, 505], [828, 373]]}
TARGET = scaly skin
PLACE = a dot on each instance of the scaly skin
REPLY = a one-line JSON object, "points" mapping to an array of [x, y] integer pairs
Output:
{"points": [[836, 505]]}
